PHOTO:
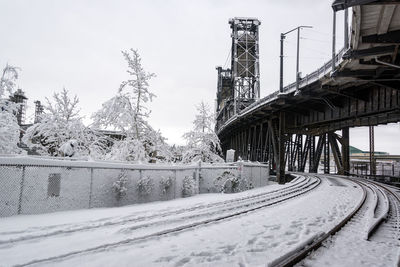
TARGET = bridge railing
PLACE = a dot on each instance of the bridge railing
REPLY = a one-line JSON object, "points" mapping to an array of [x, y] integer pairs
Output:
{"points": [[308, 79]]}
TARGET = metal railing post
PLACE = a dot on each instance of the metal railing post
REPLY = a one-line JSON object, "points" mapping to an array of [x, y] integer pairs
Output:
{"points": [[21, 191], [91, 188], [175, 183]]}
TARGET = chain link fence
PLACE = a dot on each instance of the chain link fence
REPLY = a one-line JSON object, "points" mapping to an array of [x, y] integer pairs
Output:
{"points": [[381, 168], [34, 185]]}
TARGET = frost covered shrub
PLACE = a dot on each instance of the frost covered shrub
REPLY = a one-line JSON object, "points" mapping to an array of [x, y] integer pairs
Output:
{"points": [[188, 186], [9, 133], [165, 184], [119, 186], [249, 185], [202, 142], [145, 186], [228, 182], [9, 128]]}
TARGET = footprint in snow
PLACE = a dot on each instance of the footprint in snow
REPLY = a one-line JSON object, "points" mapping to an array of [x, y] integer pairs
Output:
{"points": [[182, 262], [252, 241], [291, 242], [165, 259], [272, 227]]}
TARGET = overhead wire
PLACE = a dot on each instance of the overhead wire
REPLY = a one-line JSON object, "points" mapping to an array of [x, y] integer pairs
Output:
{"points": [[312, 49], [226, 61]]}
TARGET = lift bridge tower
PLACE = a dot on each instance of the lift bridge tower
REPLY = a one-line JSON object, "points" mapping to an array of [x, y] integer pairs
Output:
{"points": [[239, 86], [245, 61]]}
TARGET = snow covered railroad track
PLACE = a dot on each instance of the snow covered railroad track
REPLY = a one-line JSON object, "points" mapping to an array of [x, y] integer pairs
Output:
{"points": [[297, 184], [374, 223], [388, 226], [114, 235]]}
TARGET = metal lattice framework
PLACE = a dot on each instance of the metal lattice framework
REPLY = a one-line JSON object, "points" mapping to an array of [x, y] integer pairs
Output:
{"points": [[38, 110], [224, 92], [245, 61], [20, 98]]}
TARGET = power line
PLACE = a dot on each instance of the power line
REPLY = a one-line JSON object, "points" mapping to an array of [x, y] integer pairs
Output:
{"points": [[226, 61], [312, 49]]}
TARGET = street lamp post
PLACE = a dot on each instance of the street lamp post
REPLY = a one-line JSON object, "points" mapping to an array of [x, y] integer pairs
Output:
{"points": [[283, 35]]}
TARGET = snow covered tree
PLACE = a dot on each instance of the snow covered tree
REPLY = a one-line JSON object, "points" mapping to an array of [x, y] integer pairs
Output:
{"points": [[7, 80], [9, 128], [202, 142], [156, 146], [127, 112], [137, 89], [59, 127]]}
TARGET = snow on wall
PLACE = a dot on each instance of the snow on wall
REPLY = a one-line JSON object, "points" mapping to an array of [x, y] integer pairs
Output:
{"points": [[32, 186], [74, 189], [209, 176], [10, 184]]}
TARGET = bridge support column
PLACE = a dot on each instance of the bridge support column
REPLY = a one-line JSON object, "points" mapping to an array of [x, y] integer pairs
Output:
{"points": [[289, 152], [299, 151], [372, 166], [280, 168], [337, 155], [346, 150], [326, 154], [312, 154]]}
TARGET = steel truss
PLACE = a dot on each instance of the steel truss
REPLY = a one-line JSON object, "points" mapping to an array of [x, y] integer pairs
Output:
{"points": [[245, 61], [267, 141]]}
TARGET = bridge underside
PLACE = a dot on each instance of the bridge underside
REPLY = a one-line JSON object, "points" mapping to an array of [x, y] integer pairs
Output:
{"points": [[295, 131]]}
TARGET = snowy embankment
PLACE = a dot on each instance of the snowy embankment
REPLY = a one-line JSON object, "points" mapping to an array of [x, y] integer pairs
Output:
{"points": [[106, 237]]}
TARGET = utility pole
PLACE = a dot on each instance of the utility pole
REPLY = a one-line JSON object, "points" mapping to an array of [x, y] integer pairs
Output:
{"points": [[346, 28], [281, 65], [283, 35], [334, 41], [297, 60]]}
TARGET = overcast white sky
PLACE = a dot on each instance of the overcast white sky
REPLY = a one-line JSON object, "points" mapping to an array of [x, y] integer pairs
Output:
{"points": [[76, 44]]}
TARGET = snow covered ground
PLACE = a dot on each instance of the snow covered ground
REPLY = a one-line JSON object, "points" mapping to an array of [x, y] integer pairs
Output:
{"points": [[350, 247], [138, 235]]}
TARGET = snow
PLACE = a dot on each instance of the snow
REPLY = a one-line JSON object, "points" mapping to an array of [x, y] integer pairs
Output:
{"points": [[9, 128], [254, 238], [349, 247], [9, 132], [62, 162], [68, 148]]}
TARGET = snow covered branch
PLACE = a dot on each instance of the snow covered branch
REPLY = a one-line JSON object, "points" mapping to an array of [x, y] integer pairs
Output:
{"points": [[202, 142], [9, 128]]}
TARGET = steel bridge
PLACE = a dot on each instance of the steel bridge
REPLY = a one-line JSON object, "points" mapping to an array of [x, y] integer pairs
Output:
{"points": [[294, 128]]}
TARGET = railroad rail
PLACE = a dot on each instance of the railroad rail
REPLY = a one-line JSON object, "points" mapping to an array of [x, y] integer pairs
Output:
{"points": [[383, 197]]}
